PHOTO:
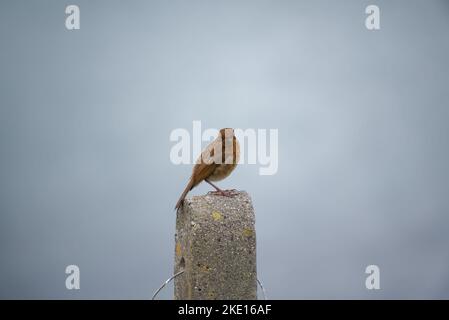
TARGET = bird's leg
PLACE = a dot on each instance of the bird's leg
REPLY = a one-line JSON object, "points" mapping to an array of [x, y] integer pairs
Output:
{"points": [[226, 193]]}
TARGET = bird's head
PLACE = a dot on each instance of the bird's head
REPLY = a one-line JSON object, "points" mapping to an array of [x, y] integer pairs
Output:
{"points": [[227, 134]]}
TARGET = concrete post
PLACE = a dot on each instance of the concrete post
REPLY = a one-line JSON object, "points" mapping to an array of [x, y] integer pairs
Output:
{"points": [[216, 248]]}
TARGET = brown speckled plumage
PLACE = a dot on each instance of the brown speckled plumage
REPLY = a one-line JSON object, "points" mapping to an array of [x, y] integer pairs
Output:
{"points": [[209, 167]]}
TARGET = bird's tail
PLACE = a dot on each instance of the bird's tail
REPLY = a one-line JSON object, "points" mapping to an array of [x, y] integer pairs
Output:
{"points": [[184, 193]]}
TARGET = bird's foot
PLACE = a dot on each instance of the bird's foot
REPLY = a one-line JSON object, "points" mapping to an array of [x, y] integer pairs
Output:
{"points": [[224, 193]]}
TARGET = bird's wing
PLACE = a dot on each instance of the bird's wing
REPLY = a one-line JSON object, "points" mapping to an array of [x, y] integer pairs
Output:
{"points": [[202, 171], [204, 166]]}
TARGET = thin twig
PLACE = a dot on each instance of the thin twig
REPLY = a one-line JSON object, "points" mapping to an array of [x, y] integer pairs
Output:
{"points": [[263, 289], [182, 271], [165, 283]]}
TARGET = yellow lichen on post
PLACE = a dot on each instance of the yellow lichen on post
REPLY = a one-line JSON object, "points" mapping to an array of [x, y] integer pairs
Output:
{"points": [[178, 249], [217, 216]]}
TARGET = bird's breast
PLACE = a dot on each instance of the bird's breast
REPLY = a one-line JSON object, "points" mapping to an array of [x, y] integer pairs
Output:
{"points": [[222, 171]]}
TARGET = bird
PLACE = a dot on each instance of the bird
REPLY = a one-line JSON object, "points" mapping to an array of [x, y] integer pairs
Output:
{"points": [[215, 163]]}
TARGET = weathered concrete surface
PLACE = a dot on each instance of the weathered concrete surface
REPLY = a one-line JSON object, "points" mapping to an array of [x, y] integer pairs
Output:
{"points": [[216, 246]]}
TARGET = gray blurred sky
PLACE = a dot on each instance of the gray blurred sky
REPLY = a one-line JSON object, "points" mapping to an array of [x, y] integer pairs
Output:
{"points": [[85, 118]]}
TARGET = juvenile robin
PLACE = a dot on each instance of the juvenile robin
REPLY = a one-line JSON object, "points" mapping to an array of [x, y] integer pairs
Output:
{"points": [[215, 163]]}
